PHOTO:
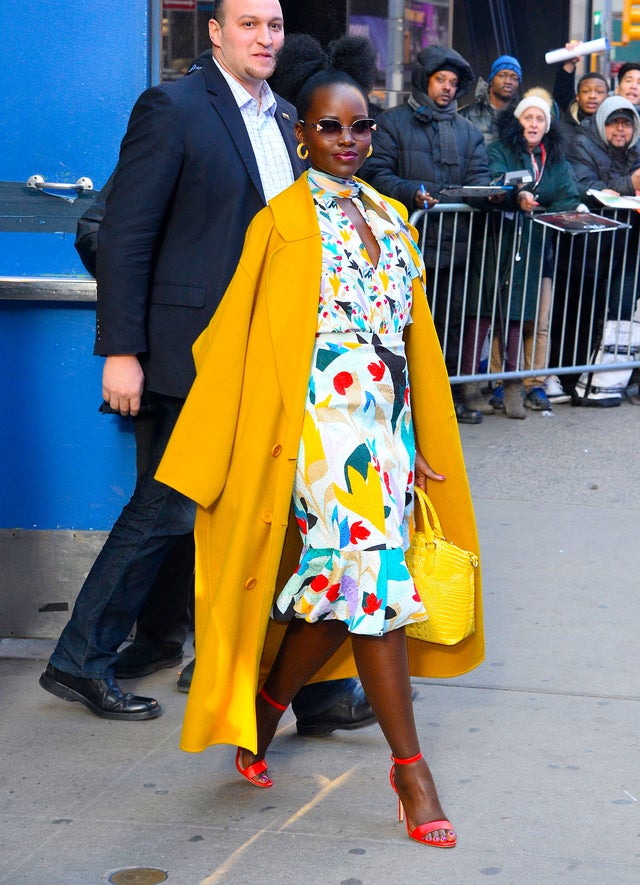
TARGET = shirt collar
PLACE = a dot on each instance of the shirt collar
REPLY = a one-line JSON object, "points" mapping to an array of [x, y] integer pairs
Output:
{"points": [[244, 99]]}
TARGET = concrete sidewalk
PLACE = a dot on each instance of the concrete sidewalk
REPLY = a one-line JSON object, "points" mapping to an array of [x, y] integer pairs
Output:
{"points": [[535, 753]]}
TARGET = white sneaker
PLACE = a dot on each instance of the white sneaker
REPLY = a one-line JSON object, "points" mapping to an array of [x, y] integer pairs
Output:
{"points": [[555, 391]]}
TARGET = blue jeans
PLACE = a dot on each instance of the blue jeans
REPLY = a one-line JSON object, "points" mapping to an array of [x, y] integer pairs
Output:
{"points": [[319, 696], [152, 523], [167, 615], [150, 527]]}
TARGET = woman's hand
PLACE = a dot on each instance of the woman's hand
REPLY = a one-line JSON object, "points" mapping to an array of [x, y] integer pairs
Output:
{"points": [[526, 201], [424, 471]]}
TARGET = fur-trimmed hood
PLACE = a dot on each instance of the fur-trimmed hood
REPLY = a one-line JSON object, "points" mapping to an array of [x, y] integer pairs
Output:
{"points": [[510, 132]]}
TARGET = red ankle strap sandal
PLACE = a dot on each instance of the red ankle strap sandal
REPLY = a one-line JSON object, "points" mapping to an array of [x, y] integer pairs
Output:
{"points": [[421, 832]]}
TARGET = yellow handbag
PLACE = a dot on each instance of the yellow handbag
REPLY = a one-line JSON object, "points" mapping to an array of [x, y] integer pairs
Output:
{"points": [[444, 576]]}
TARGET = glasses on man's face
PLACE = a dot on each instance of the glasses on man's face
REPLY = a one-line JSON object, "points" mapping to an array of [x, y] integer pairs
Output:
{"points": [[330, 129], [620, 123]]}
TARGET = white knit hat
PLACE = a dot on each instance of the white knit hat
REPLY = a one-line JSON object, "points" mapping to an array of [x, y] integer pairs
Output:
{"points": [[533, 101]]}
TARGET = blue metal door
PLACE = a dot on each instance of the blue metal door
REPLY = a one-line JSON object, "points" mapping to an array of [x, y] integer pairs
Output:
{"points": [[70, 72]]}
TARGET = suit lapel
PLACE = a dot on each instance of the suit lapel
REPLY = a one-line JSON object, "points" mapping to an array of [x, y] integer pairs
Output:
{"points": [[225, 105], [285, 117]]}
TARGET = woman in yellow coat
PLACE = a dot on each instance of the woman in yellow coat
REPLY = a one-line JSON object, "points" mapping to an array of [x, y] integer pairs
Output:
{"points": [[237, 451]]}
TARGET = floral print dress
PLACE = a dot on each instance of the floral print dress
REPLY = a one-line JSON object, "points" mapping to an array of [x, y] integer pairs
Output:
{"points": [[353, 490]]}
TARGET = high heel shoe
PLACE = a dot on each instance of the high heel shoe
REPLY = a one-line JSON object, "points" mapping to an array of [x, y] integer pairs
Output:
{"points": [[252, 771], [258, 768], [420, 832]]}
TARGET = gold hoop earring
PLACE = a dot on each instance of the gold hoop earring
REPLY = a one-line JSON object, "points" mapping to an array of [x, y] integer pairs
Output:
{"points": [[299, 150], [370, 151]]}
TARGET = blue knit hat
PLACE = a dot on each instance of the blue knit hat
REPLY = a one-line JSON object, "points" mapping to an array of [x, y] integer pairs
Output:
{"points": [[505, 63]]}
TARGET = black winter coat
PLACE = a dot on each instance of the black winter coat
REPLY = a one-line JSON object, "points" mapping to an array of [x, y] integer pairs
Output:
{"points": [[599, 166], [406, 154]]}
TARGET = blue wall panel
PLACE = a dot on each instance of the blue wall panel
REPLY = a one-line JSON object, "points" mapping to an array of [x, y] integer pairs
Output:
{"points": [[70, 71], [40, 255], [65, 465]]}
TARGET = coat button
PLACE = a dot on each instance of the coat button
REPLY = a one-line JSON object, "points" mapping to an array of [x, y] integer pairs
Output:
{"points": [[250, 584], [276, 450], [267, 516]]}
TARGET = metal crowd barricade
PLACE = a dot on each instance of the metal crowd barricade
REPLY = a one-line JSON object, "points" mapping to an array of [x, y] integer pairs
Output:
{"points": [[473, 258]]}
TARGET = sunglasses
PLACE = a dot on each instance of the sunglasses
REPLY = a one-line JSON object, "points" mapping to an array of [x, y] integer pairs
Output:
{"points": [[332, 128]]}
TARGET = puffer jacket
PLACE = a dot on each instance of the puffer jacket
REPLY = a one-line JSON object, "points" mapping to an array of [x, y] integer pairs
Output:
{"points": [[595, 162], [482, 113], [406, 154]]}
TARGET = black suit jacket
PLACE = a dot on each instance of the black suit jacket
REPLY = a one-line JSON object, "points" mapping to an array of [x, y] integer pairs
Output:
{"points": [[185, 190]]}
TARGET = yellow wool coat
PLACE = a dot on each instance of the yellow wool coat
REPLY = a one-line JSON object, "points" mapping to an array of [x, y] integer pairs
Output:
{"points": [[234, 452]]}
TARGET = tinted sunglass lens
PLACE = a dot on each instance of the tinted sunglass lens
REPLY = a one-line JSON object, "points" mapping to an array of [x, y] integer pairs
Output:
{"points": [[333, 128], [329, 127]]}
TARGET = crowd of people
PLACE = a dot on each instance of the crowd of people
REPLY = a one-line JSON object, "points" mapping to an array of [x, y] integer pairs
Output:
{"points": [[262, 301], [569, 143]]}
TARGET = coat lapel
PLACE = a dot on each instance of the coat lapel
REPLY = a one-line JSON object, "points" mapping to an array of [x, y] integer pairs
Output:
{"points": [[293, 300]]}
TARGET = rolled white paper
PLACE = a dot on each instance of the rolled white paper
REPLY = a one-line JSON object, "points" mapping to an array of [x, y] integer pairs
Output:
{"points": [[588, 48]]}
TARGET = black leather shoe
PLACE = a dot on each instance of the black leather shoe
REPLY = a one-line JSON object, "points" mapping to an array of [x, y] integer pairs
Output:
{"points": [[467, 416], [184, 679], [103, 697], [142, 658], [351, 711]]}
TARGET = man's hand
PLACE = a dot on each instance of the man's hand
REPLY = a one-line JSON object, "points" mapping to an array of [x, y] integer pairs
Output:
{"points": [[122, 383], [571, 63], [423, 199]]}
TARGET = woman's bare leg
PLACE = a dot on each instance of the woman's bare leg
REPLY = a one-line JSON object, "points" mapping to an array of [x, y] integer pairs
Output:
{"points": [[383, 667], [304, 650]]}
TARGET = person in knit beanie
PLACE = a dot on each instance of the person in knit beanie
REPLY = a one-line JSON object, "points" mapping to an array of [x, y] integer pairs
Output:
{"points": [[497, 94]]}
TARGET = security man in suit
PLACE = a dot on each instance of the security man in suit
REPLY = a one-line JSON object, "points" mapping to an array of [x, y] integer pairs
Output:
{"points": [[201, 156]]}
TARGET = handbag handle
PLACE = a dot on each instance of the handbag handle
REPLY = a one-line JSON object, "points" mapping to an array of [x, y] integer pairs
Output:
{"points": [[432, 527]]}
